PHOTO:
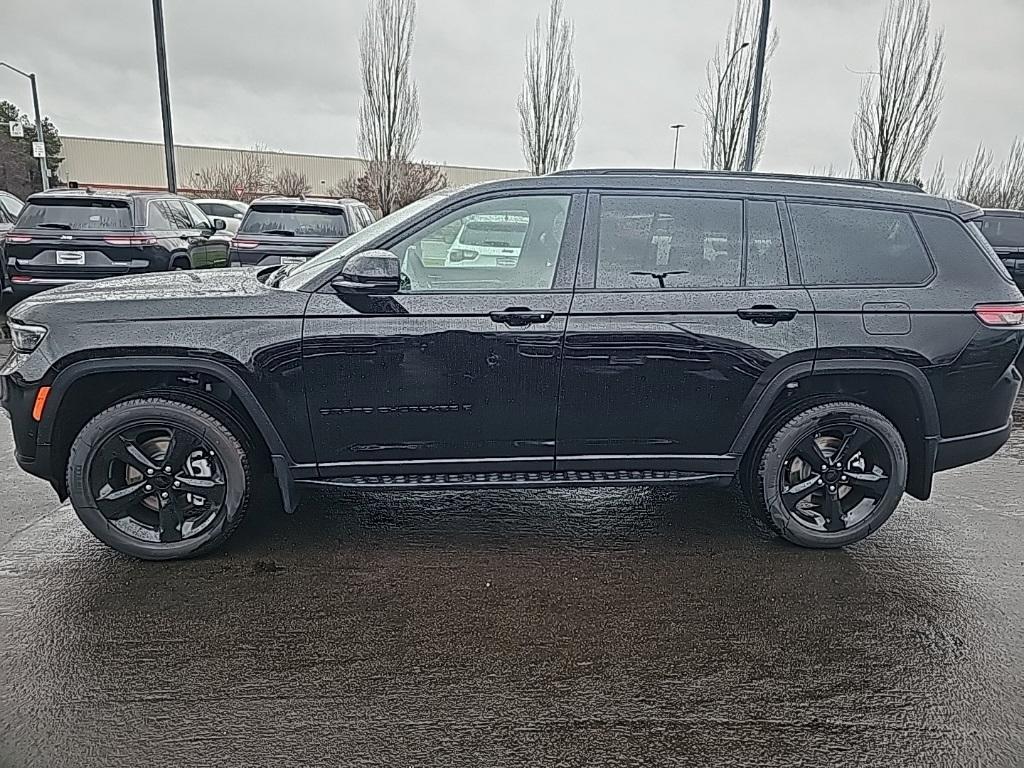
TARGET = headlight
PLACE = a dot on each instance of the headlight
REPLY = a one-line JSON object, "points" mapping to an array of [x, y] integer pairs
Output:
{"points": [[25, 337]]}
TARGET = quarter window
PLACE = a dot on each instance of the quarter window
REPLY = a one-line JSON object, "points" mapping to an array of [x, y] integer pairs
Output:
{"points": [[156, 220], [510, 244], [844, 245]]}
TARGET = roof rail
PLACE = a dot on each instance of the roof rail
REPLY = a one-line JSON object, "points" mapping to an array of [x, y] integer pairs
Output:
{"points": [[902, 186]]}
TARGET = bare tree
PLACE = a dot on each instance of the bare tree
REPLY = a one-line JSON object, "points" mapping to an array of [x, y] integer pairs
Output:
{"points": [[347, 187], [726, 99], [899, 104], [549, 106], [936, 183], [389, 115], [980, 181], [291, 183], [243, 177]]}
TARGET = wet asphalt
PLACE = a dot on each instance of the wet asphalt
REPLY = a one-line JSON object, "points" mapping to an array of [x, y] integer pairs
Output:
{"points": [[607, 627]]}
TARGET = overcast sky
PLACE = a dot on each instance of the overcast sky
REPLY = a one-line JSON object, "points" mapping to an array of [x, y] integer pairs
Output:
{"points": [[286, 74]]}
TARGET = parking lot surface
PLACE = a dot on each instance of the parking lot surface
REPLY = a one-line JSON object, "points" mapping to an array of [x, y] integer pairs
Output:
{"points": [[606, 627]]}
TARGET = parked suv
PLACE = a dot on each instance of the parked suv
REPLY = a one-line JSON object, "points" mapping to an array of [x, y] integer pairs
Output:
{"points": [[288, 230], [69, 235], [830, 345]]}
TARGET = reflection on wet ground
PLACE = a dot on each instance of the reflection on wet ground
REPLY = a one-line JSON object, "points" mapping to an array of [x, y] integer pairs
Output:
{"points": [[605, 627]]}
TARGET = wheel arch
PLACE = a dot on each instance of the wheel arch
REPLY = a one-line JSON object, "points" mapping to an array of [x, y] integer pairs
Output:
{"points": [[812, 382], [64, 382]]}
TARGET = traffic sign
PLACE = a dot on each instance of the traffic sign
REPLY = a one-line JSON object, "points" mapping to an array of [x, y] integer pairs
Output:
{"points": [[17, 129], [38, 149]]}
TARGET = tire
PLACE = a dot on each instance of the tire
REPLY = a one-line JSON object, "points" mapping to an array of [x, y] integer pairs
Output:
{"points": [[180, 262], [224, 456], [874, 478]]}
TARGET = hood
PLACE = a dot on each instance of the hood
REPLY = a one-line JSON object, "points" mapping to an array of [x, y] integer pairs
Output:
{"points": [[181, 294]]}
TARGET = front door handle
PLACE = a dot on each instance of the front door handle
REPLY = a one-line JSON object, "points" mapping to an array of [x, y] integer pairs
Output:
{"points": [[520, 316], [766, 314]]}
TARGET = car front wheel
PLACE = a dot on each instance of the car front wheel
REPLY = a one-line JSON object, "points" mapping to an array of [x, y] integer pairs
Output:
{"points": [[831, 475], [158, 479]]}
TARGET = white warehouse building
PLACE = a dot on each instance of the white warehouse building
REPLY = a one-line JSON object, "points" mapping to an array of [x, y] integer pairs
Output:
{"points": [[139, 165]]}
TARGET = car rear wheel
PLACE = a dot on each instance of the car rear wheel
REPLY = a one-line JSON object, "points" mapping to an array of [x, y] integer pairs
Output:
{"points": [[831, 475], [158, 479]]}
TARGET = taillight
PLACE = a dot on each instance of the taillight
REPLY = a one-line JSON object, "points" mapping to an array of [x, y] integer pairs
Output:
{"points": [[18, 238], [1001, 315], [245, 244], [120, 240]]}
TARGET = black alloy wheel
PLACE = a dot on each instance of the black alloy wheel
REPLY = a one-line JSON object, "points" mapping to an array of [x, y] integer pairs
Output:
{"points": [[830, 475], [158, 479]]}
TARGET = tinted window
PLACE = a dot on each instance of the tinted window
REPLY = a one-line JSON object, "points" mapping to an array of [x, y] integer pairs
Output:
{"points": [[301, 220], [766, 257], [175, 213], [199, 219], [671, 242], [844, 245], [219, 209], [521, 256], [12, 204], [1003, 231], [156, 219], [76, 214], [958, 248]]}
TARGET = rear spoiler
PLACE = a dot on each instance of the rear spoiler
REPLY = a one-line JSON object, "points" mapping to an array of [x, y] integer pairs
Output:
{"points": [[965, 211]]}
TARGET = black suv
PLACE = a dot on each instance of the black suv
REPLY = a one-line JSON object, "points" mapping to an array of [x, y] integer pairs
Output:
{"points": [[1005, 231], [68, 235], [277, 231], [829, 344]]}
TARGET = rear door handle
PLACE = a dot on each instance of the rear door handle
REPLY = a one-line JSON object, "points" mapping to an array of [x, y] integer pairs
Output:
{"points": [[766, 314], [521, 316]]}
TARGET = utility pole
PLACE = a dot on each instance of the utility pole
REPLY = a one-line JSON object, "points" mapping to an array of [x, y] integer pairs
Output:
{"points": [[675, 147], [43, 170], [755, 102], [165, 95]]}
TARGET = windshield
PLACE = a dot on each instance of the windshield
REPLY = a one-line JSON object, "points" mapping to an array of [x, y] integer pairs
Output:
{"points": [[76, 214], [298, 220], [301, 274], [1003, 231]]}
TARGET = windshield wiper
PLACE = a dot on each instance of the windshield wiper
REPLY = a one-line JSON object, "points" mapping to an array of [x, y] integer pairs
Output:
{"points": [[288, 232], [275, 278], [660, 276], [53, 225]]}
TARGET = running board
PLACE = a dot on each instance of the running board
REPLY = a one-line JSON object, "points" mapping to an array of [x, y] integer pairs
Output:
{"points": [[575, 478]]}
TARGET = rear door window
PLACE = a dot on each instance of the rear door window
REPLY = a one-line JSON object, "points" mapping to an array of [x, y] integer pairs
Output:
{"points": [[847, 245], [76, 214], [176, 214], [298, 220], [658, 241]]}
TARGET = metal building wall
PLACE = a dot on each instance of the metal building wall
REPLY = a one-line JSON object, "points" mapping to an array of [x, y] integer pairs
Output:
{"points": [[113, 163]]}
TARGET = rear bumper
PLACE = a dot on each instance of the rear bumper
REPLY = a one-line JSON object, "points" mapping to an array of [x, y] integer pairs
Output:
{"points": [[966, 449]]}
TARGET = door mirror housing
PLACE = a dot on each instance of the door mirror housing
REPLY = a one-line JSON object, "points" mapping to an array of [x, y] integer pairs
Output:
{"points": [[376, 272], [218, 224]]}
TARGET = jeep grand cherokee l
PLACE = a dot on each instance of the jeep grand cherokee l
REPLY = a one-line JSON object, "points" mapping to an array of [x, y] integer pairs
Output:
{"points": [[830, 345], [69, 235]]}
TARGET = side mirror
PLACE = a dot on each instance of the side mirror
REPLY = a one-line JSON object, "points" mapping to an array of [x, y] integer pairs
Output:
{"points": [[218, 223], [370, 272]]}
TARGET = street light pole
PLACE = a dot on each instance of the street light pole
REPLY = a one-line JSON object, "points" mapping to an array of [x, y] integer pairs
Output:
{"points": [[43, 171], [755, 101], [675, 147], [165, 94], [718, 99]]}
